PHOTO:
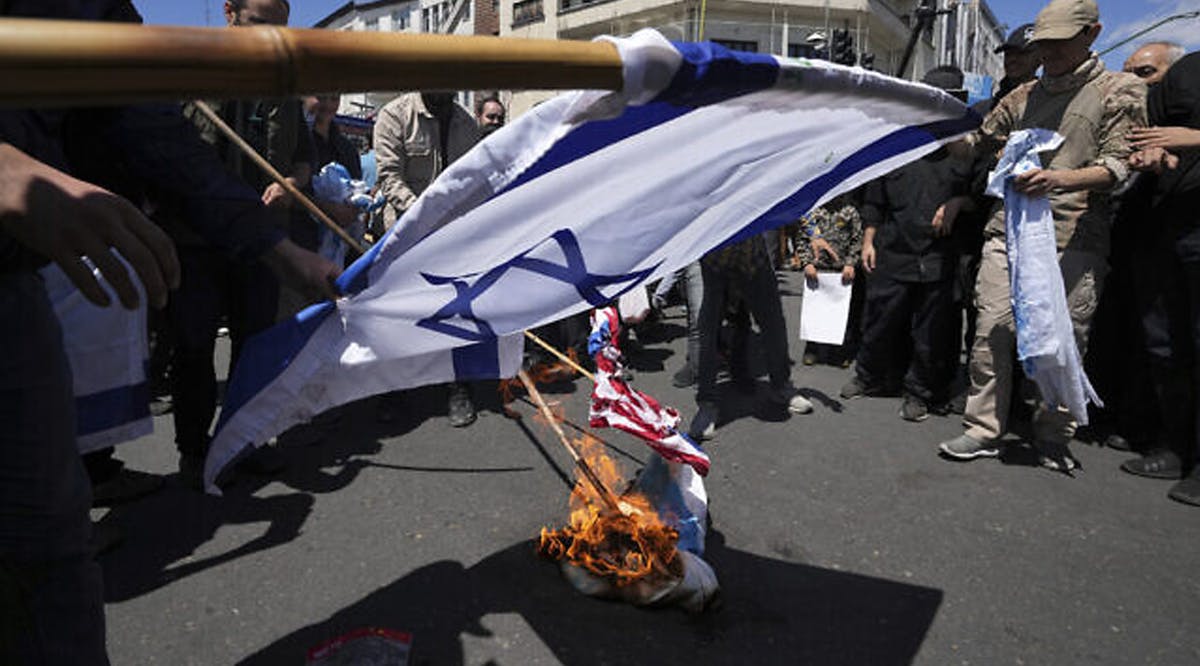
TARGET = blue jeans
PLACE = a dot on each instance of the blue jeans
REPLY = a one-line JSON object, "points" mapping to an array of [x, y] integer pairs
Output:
{"points": [[51, 595], [694, 281]]}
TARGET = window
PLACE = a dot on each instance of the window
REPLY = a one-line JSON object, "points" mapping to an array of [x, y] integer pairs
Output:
{"points": [[399, 20]]}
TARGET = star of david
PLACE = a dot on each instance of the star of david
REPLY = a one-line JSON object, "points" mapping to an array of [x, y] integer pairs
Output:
{"points": [[574, 272]]}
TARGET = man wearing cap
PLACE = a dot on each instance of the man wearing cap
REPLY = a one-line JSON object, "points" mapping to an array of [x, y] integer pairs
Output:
{"points": [[1020, 65], [1094, 110]]}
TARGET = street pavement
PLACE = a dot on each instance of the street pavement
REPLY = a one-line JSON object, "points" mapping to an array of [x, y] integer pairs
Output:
{"points": [[839, 537]]}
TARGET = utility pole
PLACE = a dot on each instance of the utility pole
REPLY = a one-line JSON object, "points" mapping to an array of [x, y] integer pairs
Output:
{"points": [[923, 17], [1176, 17]]}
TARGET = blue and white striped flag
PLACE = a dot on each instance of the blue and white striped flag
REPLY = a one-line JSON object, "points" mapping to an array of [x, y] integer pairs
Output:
{"points": [[588, 195]]}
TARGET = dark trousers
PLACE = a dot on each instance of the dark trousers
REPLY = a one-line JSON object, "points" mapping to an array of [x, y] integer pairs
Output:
{"points": [[761, 295], [51, 595], [212, 287], [921, 317], [1169, 287]]}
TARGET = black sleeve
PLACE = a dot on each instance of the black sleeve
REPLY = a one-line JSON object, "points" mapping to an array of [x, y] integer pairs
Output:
{"points": [[874, 203], [158, 145]]}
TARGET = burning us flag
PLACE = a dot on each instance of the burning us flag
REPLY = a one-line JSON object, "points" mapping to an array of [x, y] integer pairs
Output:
{"points": [[579, 200], [616, 405]]}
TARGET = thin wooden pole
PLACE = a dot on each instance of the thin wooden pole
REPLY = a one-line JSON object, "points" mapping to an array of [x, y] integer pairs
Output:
{"points": [[605, 494], [271, 171], [561, 356], [77, 63]]}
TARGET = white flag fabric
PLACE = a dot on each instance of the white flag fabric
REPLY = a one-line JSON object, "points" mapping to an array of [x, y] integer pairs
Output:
{"points": [[581, 199], [108, 350]]}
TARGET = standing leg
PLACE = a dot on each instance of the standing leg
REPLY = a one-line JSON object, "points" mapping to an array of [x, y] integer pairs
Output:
{"points": [[51, 594]]}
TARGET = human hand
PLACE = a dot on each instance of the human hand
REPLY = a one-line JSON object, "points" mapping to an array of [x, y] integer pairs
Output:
{"points": [[820, 245], [309, 272], [1037, 182], [276, 196], [1167, 138], [810, 275], [64, 218], [868, 256], [1153, 159], [847, 275], [945, 216]]}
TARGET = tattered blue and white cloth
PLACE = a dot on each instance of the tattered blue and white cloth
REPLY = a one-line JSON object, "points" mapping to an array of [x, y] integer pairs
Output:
{"points": [[1045, 336]]}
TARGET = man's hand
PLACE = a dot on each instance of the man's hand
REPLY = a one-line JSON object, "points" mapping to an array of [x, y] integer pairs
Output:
{"points": [[1155, 160], [868, 255], [64, 219], [309, 272], [1038, 182], [946, 214], [847, 275], [820, 245], [810, 275], [276, 196], [1167, 138]]}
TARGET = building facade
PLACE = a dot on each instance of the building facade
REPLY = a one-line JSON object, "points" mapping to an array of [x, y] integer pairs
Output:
{"points": [[453, 17], [962, 33]]}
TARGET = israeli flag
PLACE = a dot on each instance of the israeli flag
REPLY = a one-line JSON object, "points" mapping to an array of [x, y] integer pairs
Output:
{"points": [[583, 198]]}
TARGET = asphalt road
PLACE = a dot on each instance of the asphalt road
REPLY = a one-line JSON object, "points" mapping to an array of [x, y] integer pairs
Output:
{"points": [[839, 537]]}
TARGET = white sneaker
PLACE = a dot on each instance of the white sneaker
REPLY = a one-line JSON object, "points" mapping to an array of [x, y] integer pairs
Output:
{"points": [[796, 403]]}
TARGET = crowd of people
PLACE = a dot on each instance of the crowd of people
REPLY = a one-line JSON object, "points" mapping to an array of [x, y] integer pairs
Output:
{"points": [[923, 248]]}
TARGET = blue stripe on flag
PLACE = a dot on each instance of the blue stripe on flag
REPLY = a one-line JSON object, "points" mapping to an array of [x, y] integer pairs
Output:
{"points": [[354, 279], [477, 361], [896, 143], [709, 74], [105, 410], [268, 354]]}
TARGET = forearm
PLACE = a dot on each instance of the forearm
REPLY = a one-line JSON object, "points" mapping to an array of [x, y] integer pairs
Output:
{"points": [[1085, 178]]}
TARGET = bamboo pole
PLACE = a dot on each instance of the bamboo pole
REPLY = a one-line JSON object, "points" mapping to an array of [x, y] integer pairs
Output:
{"points": [[605, 494], [271, 171], [71, 63]]}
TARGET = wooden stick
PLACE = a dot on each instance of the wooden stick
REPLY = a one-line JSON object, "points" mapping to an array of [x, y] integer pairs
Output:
{"points": [[77, 63], [605, 494], [271, 171], [561, 356]]}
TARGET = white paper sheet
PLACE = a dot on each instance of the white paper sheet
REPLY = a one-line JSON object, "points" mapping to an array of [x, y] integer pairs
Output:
{"points": [[825, 309]]}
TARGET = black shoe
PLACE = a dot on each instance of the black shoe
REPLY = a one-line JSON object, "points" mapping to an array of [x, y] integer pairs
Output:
{"points": [[914, 409], [684, 377], [1161, 464], [1187, 490], [1117, 443], [125, 486], [957, 404], [853, 389], [461, 410], [704, 423]]}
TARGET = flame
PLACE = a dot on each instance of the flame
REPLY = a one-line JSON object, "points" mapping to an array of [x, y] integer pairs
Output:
{"points": [[622, 548]]}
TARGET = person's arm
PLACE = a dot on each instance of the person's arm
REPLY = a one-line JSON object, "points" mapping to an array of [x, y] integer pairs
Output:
{"points": [[64, 219], [1041, 182], [1124, 110], [391, 160], [159, 146], [290, 150], [1173, 139]]}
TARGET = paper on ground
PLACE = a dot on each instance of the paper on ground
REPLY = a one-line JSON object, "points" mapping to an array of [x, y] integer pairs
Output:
{"points": [[825, 309]]}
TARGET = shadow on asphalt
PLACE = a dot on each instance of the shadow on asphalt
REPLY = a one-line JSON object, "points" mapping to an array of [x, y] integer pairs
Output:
{"points": [[165, 531], [774, 611]]}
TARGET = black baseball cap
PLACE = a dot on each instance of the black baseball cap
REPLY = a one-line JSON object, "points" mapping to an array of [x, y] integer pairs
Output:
{"points": [[1018, 40]]}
